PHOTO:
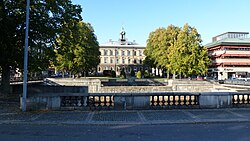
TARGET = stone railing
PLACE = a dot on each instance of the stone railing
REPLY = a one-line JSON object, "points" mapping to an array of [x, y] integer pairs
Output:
{"points": [[55, 97], [78, 98]]}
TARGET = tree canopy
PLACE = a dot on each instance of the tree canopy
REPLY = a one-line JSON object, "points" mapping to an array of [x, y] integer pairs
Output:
{"points": [[46, 19], [178, 50], [78, 49]]}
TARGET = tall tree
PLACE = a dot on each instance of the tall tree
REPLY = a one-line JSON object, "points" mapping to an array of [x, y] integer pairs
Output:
{"points": [[178, 50], [78, 49], [46, 18], [193, 58]]}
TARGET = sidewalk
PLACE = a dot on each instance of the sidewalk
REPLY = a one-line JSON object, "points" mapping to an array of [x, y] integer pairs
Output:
{"points": [[10, 114]]}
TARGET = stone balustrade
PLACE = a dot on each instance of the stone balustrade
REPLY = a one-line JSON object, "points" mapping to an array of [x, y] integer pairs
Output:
{"points": [[78, 98]]}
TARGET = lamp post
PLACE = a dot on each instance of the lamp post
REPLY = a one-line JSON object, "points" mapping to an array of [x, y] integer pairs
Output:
{"points": [[25, 57]]}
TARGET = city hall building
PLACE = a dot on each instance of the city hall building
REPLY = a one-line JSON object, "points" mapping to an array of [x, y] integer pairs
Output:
{"points": [[121, 55], [230, 54]]}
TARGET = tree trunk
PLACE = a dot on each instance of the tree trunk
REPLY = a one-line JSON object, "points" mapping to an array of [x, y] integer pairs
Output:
{"points": [[167, 74], [180, 76], [5, 82]]}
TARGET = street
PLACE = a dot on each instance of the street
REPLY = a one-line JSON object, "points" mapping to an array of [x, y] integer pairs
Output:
{"points": [[172, 132]]}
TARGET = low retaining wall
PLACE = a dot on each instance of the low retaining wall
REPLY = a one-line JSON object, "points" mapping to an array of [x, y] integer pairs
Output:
{"points": [[134, 89], [94, 85]]}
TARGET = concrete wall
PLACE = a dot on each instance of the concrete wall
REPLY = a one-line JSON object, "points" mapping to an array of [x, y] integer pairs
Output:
{"points": [[131, 102], [191, 86], [127, 89], [215, 100], [173, 85], [94, 85]]}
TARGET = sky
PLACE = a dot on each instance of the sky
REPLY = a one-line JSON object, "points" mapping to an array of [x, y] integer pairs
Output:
{"points": [[140, 17]]}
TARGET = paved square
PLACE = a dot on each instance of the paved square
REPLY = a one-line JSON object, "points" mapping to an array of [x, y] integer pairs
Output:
{"points": [[242, 112], [116, 116], [63, 116], [213, 114], [16, 116], [166, 115]]}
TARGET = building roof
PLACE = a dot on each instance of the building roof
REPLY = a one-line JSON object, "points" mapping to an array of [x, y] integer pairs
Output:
{"points": [[122, 42], [121, 46], [230, 41]]}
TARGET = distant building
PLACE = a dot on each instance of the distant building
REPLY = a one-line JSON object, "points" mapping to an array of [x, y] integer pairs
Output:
{"points": [[121, 55], [230, 53]]}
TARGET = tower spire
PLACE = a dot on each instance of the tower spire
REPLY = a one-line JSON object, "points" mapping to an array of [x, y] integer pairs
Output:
{"points": [[122, 34]]}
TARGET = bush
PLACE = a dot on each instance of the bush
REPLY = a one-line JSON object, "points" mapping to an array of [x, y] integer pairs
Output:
{"points": [[146, 74], [107, 72], [132, 73], [122, 75], [138, 74], [113, 74]]}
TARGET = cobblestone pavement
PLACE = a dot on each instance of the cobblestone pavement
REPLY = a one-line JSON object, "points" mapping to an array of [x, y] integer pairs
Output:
{"points": [[10, 114]]}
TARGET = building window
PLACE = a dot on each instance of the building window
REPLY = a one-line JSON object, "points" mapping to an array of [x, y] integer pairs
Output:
{"points": [[111, 52], [117, 60], [128, 52], [123, 60], [129, 60], [135, 61], [140, 61], [105, 60], [134, 53], [105, 52], [117, 52], [140, 53], [111, 60], [99, 68], [123, 52]]}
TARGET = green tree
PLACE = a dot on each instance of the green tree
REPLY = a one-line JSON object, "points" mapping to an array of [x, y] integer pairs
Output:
{"points": [[193, 58], [160, 44], [177, 50], [78, 49], [46, 18]]}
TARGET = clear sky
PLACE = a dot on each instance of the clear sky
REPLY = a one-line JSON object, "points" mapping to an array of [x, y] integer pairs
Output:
{"points": [[140, 17]]}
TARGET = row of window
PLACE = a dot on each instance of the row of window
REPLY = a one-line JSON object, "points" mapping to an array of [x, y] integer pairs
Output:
{"points": [[236, 57], [116, 52], [118, 68], [129, 61], [237, 48]]}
